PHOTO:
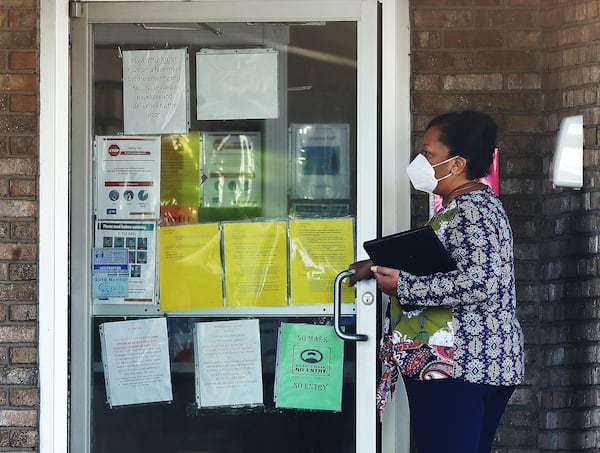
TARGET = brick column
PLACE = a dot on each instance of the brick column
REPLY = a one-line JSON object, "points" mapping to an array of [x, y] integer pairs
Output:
{"points": [[19, 395], [486, 55]]}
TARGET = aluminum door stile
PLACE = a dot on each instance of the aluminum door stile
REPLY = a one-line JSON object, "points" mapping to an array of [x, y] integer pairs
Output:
{"points": [[366, 227]]}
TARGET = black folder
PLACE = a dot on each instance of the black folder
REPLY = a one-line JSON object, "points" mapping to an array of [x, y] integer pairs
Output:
{"points": [[418, 252]]}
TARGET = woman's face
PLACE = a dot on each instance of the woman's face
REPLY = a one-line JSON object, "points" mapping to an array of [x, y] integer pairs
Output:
{"points": [[436, 152]]}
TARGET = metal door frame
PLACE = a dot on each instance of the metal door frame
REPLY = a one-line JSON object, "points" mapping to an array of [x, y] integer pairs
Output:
{"points": [[54, 177]]}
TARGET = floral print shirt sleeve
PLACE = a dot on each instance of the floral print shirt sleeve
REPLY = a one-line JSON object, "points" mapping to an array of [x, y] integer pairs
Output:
{"points": [[488, 343], [479, 242]]}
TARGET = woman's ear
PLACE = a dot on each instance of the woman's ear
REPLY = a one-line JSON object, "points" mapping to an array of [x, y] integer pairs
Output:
{"points": [[459, 165]]}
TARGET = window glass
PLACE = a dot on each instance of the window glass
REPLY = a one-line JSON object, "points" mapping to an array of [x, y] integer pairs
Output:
{"points": [[275, 142]]}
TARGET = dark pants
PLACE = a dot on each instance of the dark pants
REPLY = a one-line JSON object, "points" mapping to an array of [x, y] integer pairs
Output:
{"points": [[454, 416]]}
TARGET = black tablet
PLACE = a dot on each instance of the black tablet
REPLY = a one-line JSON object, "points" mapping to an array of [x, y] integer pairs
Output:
{"points": [[418, 252]]}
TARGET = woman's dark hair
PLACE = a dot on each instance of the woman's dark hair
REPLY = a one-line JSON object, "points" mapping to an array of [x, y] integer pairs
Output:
{"points": [[471, 135]]}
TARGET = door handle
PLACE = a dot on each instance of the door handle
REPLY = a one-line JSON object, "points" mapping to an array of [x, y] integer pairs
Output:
{"points": [[337, 309]]}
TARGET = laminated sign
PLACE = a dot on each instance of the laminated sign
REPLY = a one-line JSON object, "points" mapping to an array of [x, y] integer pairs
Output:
{"points": [[310, 363]]}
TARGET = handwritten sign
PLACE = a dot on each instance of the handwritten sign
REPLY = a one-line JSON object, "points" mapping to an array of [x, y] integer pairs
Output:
{"points": [[156, 91]]}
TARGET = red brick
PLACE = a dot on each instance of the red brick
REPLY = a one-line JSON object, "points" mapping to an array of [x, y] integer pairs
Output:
{"points": [[17, 251], [22, 18], [21, 166], [473, 39], [23, 355], [23, 230], [442, 18], [24, 397], [20, 272], [524, 81], [18, 334], [24, 439], [427, 82], [18, 39], [471, 82], [20, 3], [442, 61], [22, 188], [524, 123], [474, 2], [427, 39], [23, 145], [23, 103], [501, 60], [12, 417], [507, 102], [18, 82], [440, 103], [18, 124], [23, 312], [526, 2], [19, 60], [511, 18], [523, 39]]}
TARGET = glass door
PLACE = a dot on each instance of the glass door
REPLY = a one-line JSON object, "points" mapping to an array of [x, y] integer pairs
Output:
{"points": [[224, 168]]}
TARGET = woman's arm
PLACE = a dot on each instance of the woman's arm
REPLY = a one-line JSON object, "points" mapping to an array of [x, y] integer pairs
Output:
{"points": [[473, 239]]}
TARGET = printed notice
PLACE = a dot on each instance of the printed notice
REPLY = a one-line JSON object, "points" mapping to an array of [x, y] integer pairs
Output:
{"points": [[139, 241], [127, 177], [309, 369], [255, 264], [135, 357], [156, 91], [110, 272], [321, 161], [237, 84], [228, 363], [180, 178], [190, 267], [319, 250], [232, 168]]}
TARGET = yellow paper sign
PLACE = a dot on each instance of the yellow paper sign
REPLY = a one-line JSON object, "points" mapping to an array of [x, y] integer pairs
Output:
{"points": [[255, 264], [319, 250], [190, 267]]}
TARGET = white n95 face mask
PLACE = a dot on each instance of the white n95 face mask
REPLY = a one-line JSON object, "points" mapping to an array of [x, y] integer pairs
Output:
{"points": [[422, 174]]}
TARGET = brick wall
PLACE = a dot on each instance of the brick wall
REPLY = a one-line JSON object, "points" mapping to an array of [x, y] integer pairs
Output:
{"points": [[529, 63], [570, 308], [19, 394]]}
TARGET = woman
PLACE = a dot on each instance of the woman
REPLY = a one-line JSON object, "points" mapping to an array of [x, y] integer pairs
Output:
{"points": [[456, 340]]}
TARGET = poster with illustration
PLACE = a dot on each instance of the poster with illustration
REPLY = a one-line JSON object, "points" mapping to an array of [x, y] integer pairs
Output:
{"points": [[127, 177]]}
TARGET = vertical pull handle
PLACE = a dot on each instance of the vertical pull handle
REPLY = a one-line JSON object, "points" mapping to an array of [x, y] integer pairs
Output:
{"points": [[337, 309]]}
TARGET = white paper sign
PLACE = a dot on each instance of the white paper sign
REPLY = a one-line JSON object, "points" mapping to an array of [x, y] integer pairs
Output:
{"points": [[156, 91], [228, 363], [236, 84], [128, 177], [135, 356]]}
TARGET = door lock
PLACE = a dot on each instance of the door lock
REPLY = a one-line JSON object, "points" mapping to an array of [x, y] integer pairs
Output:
{"points": [[368, 298]]}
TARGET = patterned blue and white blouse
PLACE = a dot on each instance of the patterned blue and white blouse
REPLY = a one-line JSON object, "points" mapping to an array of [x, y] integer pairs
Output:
{"points": [[469, 330]]}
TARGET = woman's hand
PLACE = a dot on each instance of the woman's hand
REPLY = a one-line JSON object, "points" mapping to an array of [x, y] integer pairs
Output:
{"points": [[363, 271], [387, 279]]}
